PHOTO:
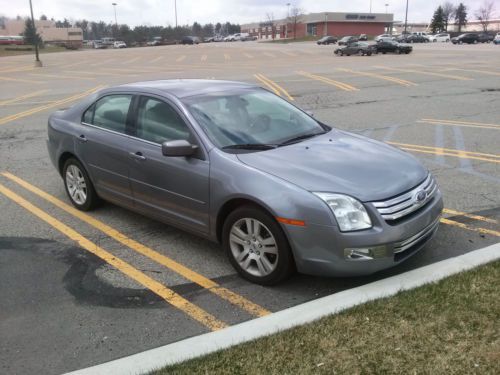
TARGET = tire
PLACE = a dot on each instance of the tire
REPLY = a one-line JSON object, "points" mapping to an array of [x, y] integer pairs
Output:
{"points": [[341, 53], [398, 51], [460, 42], [447, 40], [475, 42], [368, 54], [249, 243], [360, 52], [78, 186]]}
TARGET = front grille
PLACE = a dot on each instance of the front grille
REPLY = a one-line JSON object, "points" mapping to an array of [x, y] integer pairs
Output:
{"points": [[400, 247], [405, 204]]}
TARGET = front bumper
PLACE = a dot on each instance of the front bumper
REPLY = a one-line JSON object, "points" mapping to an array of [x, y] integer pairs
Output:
{"points": [[321, 250]]}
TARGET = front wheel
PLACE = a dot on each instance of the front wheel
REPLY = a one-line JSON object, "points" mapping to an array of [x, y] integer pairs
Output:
{"points": [[78, 186], [257, 247]]}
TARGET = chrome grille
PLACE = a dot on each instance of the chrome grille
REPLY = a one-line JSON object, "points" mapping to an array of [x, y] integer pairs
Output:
{"points": [[405, 204], [409, 242]]}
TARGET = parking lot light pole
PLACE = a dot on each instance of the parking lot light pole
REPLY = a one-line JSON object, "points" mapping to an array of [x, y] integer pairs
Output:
{"points": [[38, 63], [175, 9], [406, 16], [325, 33], [386, 6], [287, 19], [114, 7]]}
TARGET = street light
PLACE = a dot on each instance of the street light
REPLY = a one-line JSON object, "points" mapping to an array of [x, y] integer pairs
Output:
{"points": [[287, 19], [326, 23], [114, 7], [406, 16], [38, 63], [370, 6], [175, 9], [386, 5]]}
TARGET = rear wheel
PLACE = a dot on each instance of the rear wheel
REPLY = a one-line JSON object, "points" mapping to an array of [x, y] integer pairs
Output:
{"points": [[78, 186], [257, 247]]}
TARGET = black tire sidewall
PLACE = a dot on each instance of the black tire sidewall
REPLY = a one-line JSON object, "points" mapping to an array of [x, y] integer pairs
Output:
{"points": [[92, 199], [286, 264]]}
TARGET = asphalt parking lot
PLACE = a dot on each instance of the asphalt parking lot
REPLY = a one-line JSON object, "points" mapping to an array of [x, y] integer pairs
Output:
{"points": [[62, 307]]}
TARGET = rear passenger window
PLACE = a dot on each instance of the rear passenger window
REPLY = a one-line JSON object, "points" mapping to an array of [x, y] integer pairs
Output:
{"points": [[158, 122], [111, 112]]}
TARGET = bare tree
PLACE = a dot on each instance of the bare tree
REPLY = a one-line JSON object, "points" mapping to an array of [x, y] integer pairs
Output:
{"points": [[484, 13], [295, 17], [271, 22], [448, 13]]}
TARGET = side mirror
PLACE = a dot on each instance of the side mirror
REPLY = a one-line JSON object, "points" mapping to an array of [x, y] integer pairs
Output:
{"points": [[178, 147]]}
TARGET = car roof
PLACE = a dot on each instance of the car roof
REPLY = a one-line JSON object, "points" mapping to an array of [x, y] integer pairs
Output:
{"points": [[182, 88]]}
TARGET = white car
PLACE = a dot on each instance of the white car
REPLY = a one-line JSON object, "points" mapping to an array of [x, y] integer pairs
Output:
{"points": [[229, 38], [378, 37], [444, 37], [119, 44], [497, 39]]}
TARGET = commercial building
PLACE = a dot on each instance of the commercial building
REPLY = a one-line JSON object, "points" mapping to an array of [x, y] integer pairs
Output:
{"points": [[50, 34], [320, 24]]}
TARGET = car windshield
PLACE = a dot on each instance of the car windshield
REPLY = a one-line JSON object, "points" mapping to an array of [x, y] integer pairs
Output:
{"points": [[251, 118]]}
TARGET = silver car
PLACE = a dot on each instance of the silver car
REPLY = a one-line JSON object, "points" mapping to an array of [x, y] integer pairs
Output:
{"points": [[239, 165]]}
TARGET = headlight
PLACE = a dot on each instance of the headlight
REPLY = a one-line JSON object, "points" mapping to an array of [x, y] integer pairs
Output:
{"points": [[349, 212]]}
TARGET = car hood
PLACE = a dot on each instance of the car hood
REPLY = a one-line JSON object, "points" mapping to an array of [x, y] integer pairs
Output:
{"points": [[341, 162]]}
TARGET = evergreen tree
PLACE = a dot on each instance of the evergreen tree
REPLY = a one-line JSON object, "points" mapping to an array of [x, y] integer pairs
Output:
{"points": [[461, 16], [30, 34], [437, 23]]}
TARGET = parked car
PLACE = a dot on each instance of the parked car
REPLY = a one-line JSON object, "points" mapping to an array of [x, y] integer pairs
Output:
{"points": [[119, 44], [443, 37], [208, 39], [347, 39], [412, 38], [190, 40], [363, 37], [423, 34], [99, 45], [327, 40], [497, 39], [229, 38], [356, 48], [384, 46], [280, 190], [469, 38], [378, 37], [485, 38]]}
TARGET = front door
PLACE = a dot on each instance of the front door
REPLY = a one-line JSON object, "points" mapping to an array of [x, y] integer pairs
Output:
{"points": [[173, 188], [101, 145]]}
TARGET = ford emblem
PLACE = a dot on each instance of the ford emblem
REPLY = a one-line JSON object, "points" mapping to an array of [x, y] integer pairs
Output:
{"points": [[421, 195]]}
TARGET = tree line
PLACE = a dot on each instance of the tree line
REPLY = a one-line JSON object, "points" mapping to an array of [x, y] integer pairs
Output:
{"points": [[449, 12]]}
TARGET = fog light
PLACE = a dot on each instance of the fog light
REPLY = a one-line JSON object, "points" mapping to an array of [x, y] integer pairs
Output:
{"points": [[366, 253]]}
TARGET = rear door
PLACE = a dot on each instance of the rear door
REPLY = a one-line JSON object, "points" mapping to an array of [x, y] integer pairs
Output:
{"points": [[101, 145], [175, 189]]}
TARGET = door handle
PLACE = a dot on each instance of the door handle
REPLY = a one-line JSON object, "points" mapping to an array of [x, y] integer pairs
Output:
{"points": [[82, 138], [137, 155]]}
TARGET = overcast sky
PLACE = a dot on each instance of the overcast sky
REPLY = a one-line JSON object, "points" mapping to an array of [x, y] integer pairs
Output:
{"points": [[161, 12]]}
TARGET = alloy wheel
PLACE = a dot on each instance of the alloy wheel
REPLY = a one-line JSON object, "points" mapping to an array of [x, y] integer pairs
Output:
{"points": [[77, 187]]}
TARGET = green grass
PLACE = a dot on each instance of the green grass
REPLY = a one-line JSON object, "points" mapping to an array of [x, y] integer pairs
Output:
{"points": [[21, 50], [450, 327]]}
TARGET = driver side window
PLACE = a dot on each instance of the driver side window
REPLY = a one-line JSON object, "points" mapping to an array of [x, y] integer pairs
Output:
{"points": [[158, 122]]}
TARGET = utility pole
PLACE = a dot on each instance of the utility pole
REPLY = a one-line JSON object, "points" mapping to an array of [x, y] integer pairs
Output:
{"points": [[175, 8], [287, 19], [114, 7], [406, 17], [38, 63]]}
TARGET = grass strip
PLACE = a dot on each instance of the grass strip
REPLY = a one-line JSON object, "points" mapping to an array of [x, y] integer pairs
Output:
{"points": [[448, 327]]}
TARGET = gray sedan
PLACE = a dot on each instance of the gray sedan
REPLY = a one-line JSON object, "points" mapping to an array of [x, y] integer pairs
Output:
{"points": [[238, 165]]}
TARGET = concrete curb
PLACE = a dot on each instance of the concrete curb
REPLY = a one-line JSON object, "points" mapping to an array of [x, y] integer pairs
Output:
{"points": [[305, 313]]}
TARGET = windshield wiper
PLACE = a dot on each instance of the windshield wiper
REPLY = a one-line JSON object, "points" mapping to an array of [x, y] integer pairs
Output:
{"points": [[300, 137], [250, 146]]}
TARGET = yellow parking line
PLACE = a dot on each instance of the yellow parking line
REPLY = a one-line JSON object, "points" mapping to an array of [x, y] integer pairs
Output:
{"points": [[204, 58], [340, 85], [181, 58], [269, 54], [99, 73], [74, 64], [156, 59], [161, 290], [465, 226], [227, 57], [73, 76], [439, 151], [102, 62], [273, 86], [494, 127], [248, 56], [20, 80], [476, 71], [459, 78], [463, 152], [131, 60], [31, 111], [182, 270], [289, 53], [19, 98], [399, 81], [17, 69], [470, 216], [460, 122]]}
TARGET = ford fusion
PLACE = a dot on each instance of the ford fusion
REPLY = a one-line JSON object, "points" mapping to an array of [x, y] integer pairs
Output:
{"points": [[239, 165]]}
